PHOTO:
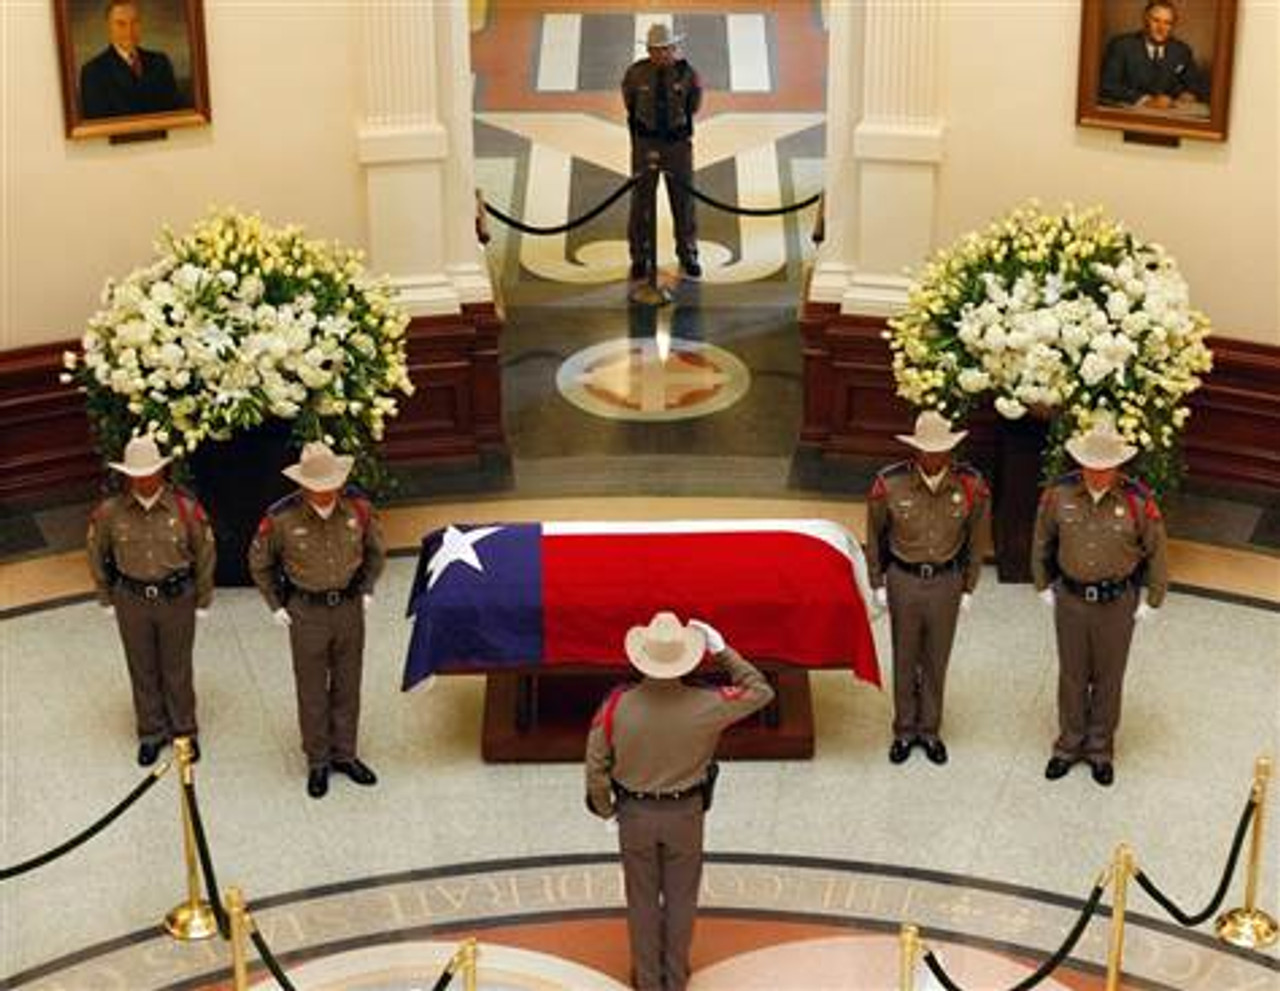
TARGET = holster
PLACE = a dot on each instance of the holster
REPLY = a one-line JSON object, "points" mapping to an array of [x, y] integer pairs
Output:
{"points": [[709, 786]]}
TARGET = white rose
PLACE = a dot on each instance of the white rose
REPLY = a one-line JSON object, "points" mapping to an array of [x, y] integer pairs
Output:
{"points": [[1009, 408]]}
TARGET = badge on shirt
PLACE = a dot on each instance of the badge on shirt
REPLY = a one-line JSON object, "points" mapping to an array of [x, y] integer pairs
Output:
{"points": [[299, 531], [955, 497], [1119, 510]]}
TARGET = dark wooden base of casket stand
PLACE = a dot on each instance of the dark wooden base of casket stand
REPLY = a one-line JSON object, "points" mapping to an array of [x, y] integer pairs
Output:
{"points": [[545, 717]]}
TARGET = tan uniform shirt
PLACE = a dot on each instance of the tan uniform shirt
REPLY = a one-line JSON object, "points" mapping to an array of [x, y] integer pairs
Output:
{"points": [[149, 545], [317, 554], [910, 521], [660, 735], [1092, 541]]}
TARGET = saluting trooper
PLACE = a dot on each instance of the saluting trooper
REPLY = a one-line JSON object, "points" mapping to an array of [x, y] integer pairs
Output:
{"points": [[316, 558], [923, 521], [1099, 538], [650, 762], [151, 553]]}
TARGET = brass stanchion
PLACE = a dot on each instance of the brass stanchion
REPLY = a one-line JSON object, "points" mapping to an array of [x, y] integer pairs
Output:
{"points": [[650, 293], [1249, 926], [1121, 871], [194, 918], [239, 925], [909, 954], [470, 964]]}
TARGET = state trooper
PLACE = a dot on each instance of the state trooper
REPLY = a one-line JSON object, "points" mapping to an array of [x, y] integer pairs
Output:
{"points": [[1099, 538], [923, 521], [316, 558], [650, 762], [151, 554], [662, 93]]}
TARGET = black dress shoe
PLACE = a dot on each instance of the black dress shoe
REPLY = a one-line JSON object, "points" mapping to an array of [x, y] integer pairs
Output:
{"points": [[356, 769], [1103, 772], [691, 269], [1057, 768], [318, 782], [899, 751], [936, 751], [149, 753]]}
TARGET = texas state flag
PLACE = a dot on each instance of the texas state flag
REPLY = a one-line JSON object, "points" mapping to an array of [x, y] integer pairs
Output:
{"points": [[506, 596]]}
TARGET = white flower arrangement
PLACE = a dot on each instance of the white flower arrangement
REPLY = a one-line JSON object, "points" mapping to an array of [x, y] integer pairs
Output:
{"points": [[236, 323], [1067, 314]]}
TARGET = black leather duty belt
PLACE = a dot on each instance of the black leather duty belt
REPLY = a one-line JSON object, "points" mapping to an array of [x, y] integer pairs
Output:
{"points": [[169, 587], [1106, 590], [660, 796], [332, 597], [927, 570]]}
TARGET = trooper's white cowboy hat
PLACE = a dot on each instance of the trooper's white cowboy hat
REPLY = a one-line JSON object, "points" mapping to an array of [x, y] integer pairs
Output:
{"points": [[1100, 447], [141, 458], [933, 433], [665, 648], [660, 36], [319, 469]]}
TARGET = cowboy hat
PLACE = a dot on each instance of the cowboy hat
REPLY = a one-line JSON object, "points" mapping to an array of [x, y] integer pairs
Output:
{"points": [[660, 36], [319, 469], [1100, 447], [665, 648], [141, 458], [933, 433]]}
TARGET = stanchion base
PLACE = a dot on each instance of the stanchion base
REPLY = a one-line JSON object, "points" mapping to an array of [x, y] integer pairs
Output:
{"points": [[647, 294], [191, 921], [1250, 928]]}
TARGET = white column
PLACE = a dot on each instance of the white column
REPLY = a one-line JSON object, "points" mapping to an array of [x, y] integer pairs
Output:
{"points": [[416, 148], [885, 223]]}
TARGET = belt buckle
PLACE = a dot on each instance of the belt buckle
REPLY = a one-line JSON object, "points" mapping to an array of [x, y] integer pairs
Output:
{"points": [[332, 598], [151, 592], [1091, 593], [926, 571]]}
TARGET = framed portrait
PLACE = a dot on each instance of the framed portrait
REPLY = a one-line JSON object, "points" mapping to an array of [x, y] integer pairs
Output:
{"points": [[1157, 67], [131, 66]]}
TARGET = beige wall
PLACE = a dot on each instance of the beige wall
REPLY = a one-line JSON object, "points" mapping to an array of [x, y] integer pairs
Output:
{"points": [[284, 91], [1010, 89]]}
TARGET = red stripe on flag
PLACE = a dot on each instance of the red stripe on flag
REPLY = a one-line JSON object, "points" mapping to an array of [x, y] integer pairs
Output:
{"points": [[774, 595]]}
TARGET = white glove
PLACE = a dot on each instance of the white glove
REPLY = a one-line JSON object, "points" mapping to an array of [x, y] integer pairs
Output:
{"points": [[282, 618], [367, 599], [966, 602], [881, 595], [202, 612], [1143, 613], [715, 642], [1046, 596], [108, 610]]}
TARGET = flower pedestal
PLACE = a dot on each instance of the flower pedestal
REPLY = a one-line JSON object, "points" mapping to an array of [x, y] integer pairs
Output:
{"points": [[1015, 492], [236, 480]]}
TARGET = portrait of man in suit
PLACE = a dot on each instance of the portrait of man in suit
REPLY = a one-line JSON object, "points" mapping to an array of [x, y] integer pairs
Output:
{"points": [[124, 77], [1151, 68]]}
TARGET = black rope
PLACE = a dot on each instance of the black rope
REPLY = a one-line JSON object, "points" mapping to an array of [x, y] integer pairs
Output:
{"points": [[1046, 968], [591, 214], [445, 978], [29, 865], [1207, 912], [743, 211], [269, 958], [206, 861]]}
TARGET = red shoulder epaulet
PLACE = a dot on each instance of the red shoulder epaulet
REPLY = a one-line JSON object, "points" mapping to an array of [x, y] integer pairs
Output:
{"points": [[967, 483], [184, 507], [264, 525], [878, 489], [1153, 511]]}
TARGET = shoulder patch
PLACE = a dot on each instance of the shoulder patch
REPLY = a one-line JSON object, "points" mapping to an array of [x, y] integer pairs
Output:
{"points": [[264, 525], [878, 489], [731, 693]]}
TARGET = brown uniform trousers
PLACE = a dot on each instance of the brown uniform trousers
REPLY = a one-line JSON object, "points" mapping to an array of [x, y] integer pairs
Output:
{"points": [[156, 629], [910, 524], [327, 565], [654, 742], [660, 108], [1087, 543]]}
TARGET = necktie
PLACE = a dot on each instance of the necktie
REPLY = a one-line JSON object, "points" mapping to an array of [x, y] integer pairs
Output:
{"points": [[135, 64]]}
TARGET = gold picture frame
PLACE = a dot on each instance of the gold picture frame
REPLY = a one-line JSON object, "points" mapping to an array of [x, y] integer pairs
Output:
{"points": [[161, 83], [1178, 89]]}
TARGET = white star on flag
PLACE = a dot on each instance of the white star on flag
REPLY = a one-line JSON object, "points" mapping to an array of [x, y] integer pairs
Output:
{"points": [[458, 546]]}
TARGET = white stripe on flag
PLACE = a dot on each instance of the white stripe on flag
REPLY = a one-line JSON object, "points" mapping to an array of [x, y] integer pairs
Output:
{"points": [[643, 22], [558, 56], [748, 53], [827, 531]]}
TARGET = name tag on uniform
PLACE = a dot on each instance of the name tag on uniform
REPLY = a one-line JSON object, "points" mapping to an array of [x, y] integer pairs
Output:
{"points": [[1119, 510], [351, 524], [299, 531]]}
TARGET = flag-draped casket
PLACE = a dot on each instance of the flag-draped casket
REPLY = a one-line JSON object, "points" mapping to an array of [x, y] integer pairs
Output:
{"points": [[517, 596]]}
